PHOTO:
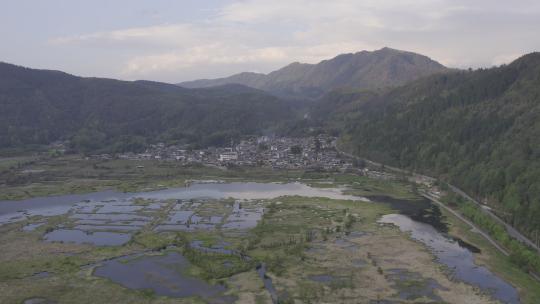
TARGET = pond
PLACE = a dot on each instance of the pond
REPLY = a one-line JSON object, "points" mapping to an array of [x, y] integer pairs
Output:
{"points": [[107, 201], [83, 237], [163, 274]]}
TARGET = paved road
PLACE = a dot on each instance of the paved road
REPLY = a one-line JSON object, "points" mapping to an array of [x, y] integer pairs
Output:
{"points": [[511, 230]]}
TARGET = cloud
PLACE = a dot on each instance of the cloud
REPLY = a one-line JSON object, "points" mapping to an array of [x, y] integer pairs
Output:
{"points": [[208, 54], [164, 35], [225, 55], [264, 35]]}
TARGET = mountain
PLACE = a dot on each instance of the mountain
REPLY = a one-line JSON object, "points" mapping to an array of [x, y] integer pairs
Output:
{"points": [[38, 107], [479, 130], [363, 70]]}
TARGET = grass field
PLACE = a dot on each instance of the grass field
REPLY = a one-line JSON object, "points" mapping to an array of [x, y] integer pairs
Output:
{"points": [[24, 178]]}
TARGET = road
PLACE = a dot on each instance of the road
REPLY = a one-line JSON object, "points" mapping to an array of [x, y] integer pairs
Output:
{"points": [[511, 230], [465, 220], [416, 177]]}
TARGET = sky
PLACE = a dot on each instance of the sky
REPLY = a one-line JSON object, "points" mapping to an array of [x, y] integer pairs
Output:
{"points": [[174, 41]]}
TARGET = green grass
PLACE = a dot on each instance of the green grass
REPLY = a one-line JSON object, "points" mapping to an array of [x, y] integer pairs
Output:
{"points": [[365, 186], [152, 240], [9, 162], [73, 174], [287, 228]]}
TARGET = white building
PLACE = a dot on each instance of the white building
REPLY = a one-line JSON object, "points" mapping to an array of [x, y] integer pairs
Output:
{"points": [[228, 156]]}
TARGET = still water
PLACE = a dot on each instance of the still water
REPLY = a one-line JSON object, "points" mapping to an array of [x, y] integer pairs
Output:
{"points": [[13, 211], [163, 274], [457, 257]]}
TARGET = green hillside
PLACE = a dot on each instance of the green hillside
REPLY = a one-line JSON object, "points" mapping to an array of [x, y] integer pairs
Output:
{"points": [[38, 107], [479, 130]]}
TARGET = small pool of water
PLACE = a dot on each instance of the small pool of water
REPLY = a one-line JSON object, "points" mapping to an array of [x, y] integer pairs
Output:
{"points": [[39, 301], [322, 278], [110, 217], [82, 237], [180, 217], [216, 248], [163, 274], [345, 243], [421, 210], [411, 285], [41, 275], [268, 285], [32, 227], [360, 263], [107, 228], [242, 218], [119, 208]]}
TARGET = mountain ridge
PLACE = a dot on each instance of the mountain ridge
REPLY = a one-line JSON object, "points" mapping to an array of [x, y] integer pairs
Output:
{"points": [[478, 130], [38, 107], [364, 70]]}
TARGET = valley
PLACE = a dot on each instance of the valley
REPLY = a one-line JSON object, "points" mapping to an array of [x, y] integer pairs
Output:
{"points": [[269, 152]]}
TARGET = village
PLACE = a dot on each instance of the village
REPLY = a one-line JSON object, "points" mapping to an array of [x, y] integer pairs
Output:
{"points": [[276, 152]]}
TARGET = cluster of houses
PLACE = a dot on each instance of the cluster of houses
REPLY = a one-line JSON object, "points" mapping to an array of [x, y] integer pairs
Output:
{"points": [[277, 152]]}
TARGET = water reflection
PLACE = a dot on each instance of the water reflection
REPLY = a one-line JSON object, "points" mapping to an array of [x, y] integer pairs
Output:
{"points": [[163, 275], [82, 237], [458, 258], [32, 227], [105, 201], [268, 285]]}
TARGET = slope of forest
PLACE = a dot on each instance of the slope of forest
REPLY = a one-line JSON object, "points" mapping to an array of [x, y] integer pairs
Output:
{"points": [[38, 107], [479, 130]]}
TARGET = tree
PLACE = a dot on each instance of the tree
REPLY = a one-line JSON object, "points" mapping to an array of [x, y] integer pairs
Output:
{"points": [[296, 150], [317, 145]]}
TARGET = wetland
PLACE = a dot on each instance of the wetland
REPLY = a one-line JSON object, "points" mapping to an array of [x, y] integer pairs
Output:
{"points": [[331, 238]]}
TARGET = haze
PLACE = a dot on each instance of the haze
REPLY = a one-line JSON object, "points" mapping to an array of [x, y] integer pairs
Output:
{"points": [[175, 41]]}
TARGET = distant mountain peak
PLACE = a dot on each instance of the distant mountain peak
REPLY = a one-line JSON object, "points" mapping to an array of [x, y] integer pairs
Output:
{"points": [[361, 70]]}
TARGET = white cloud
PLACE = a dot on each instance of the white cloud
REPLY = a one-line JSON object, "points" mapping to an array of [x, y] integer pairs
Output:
{"points": [[208, 54], [164, 35], [226, 55], [264, 35]]}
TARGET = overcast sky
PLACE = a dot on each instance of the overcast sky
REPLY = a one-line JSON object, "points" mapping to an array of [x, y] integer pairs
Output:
{"points": [[179, 40]]}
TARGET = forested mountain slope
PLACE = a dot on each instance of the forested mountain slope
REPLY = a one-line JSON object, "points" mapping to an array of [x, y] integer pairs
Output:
{"points": [[38, 107], [478, 129]]}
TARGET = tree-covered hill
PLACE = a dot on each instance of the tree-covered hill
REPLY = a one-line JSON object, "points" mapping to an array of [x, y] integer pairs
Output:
{"points": [[479, 129], [38, 107]]}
